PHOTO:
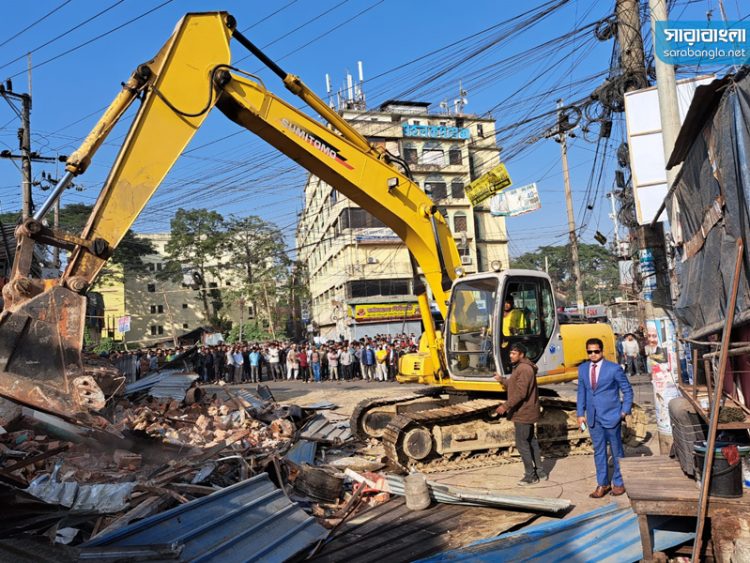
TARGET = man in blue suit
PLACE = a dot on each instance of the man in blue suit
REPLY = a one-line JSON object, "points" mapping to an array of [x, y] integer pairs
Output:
{"points": [[600, 383]]}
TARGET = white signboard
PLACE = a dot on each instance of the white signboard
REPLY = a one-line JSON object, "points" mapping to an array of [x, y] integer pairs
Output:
{"points": [[515, 201], [123, 324], [647, 161]]}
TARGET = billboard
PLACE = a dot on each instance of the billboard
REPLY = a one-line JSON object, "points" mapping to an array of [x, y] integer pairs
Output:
{"points": [[647, 160], [377, 312], [488, 184], [515, 201]]}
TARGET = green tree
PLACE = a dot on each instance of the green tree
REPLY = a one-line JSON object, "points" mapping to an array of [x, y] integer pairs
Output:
{"points": [[259, 261], [599, 271], [196, 244]]}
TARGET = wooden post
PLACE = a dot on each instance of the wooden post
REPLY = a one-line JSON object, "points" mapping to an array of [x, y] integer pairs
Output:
{"points": [[715, 404]]}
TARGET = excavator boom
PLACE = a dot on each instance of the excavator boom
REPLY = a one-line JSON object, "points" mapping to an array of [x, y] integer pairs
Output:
{"points": [[41, 328]]}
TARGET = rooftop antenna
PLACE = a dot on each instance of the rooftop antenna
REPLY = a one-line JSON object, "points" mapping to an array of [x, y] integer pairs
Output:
{"points": [[349, 88], [328, 91], [360, 89], [462, 99]]}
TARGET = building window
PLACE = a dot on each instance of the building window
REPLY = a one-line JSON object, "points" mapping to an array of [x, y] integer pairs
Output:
{"points": [[368, 288], [184, 305], [184, 325], [358, 218], [334, 197], [151, 266], [457, 190], [159, 266], [151, 288], [157, 308], [437, 190], [229, 283], [459, 222], [410, 155], [480, 130], [157, 330], [213, 285], [432, 156], [454, 156]]}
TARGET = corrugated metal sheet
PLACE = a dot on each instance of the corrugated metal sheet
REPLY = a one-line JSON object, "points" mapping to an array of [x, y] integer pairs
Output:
{"points": [[320, 429], [607, 534], [472, 497], [303, 452], [251, 399], [173, 387], [167, 384], [249, 521]]}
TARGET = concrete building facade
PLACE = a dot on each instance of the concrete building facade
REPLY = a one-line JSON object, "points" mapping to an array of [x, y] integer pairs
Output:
{"points": [[359, 271], [162, 309]]}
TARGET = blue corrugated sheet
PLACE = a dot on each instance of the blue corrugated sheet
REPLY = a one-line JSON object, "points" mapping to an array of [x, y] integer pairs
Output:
{"points": [[303, 452], [249, 521], [320, 429], [607, 534]]}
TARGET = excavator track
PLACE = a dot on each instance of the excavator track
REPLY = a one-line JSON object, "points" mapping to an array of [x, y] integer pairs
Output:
{"points": [[363, 408], [414, 433]]}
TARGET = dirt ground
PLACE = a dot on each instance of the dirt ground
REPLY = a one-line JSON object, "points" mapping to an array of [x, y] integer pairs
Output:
{"points": [[572, 478]]}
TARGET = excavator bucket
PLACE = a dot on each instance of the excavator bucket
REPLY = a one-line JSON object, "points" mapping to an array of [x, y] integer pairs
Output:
{"points": [[40, 355]]}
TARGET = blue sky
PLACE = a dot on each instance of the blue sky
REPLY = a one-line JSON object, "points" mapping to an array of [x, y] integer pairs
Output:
{"points": [[415, 50]]}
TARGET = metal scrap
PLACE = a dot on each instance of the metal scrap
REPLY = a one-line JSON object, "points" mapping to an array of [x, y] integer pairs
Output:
{"points": [[321, 429], [472, 497], [100, 498]]}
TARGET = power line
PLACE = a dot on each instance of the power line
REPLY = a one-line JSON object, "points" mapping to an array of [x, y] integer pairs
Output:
{"points": [[92, 40], [28, 27]]}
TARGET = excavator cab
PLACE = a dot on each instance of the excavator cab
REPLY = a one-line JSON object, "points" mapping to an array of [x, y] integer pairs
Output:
{"points": [[489, 312]]}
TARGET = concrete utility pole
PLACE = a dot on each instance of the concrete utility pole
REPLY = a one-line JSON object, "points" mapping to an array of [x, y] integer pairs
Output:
{"points": [[650, 240], [562, 135], [171, 318]]}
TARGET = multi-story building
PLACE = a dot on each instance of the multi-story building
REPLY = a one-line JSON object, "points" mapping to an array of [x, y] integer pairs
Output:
{"points": [[359, 271], [161, 309]]}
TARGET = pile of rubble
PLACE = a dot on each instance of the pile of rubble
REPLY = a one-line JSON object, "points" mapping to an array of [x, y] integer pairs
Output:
{"points": [[176, 471]]}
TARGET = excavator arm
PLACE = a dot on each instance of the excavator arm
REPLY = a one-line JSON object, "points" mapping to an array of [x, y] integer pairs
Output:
{"points": [[177, 89]]}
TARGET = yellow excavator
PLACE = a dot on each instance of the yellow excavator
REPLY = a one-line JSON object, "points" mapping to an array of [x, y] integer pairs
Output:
{"points": [[42, 325]]}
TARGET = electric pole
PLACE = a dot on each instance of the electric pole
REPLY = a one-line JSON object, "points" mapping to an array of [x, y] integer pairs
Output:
{"points": [[650, 240], [562, 135]]}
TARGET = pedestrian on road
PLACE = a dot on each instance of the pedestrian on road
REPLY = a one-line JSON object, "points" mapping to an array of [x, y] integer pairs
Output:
{"points": [[523, 408], [315, 363], [605, 397], [632, 351]]}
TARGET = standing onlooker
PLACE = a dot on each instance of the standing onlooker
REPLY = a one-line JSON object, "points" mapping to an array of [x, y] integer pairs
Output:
{"points": [[333, 363], [228, 364], [304, 365], [315, 363], [368, 363], [357, 370], [292, 363], [254, 360], [632, 351], [273, 361], [393, 356], [523, 408], [345, 361], [381, 363], [238, 363], [600, 384]]}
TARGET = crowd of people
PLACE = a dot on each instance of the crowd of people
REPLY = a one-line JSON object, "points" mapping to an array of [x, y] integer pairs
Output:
{"points": [[367, 359]]}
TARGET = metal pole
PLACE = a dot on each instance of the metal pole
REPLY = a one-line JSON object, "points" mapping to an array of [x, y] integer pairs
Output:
{"points": [[56, 192], [26, 153], [56, 249], [561, 137]]}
